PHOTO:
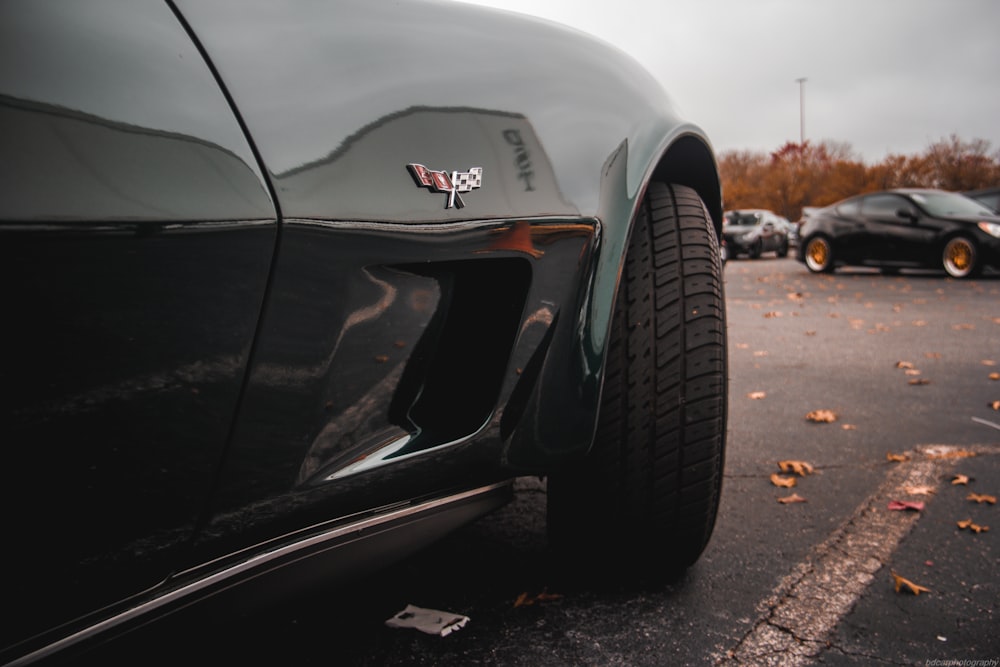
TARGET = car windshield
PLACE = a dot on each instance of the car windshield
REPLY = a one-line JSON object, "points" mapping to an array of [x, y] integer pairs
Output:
{"points": [[742, 218], [950, 204]]}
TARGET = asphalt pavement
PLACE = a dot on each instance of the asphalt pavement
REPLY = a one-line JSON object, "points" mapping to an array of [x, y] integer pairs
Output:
{"points": [[878, 392]]}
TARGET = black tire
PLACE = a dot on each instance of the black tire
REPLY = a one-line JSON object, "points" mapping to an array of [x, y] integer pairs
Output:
{"points": [[783, 249], [960, 258], [818, 255], [644, 502], [756, 250]]}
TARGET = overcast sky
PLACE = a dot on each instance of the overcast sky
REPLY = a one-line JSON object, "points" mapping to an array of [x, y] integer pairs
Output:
{"points": [[885, 76]]}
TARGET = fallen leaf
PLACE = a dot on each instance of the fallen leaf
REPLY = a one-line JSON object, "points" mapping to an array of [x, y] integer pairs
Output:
{"points": [[922, 490], [742, 346], [989, 362], [982, 498], [954, 454], [909, 585], [919, 381], [824, 416], [963, 327], [800, 468], [960, 479], [912, 371], [525, 599], [974, 527], [849, 427], [382, 358], [904, 364], [932, 355], [995, 405], [783, 482], [995, 376], [794, 498], [810, 333], [900, 505], [897, 458], [772, 314], [757, 395]]}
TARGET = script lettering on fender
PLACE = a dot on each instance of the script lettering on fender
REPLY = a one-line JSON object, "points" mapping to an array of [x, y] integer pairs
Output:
{"points": [[522, 158]]}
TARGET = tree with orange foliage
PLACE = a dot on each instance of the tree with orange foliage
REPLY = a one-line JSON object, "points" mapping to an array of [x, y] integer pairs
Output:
{"points": [[807, 174]]}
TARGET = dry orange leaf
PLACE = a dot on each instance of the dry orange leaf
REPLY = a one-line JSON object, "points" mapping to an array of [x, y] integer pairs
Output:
{"points": [[897, 458], [982, 498], [919, 381], [824, 416], [526, 600], [989, 362], [922, 490], [960, 479], [995, 405], [909, 585], [800, 468], [956, 454], [995, 376], [382, 358], [974, 527], [900, 505], [757, 395], [783, 482], [794, 498], [849, 427], [904, 364]]}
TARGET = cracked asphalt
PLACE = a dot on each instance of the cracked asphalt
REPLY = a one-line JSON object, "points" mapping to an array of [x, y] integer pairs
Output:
{"points": [[780, 584]]}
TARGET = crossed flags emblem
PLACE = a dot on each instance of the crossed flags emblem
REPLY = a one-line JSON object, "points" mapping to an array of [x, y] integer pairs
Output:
{"points": [[452, 185]]}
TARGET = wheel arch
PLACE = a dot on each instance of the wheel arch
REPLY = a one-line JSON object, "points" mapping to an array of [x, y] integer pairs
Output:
{"points": [[683, 157], [690, 161]]}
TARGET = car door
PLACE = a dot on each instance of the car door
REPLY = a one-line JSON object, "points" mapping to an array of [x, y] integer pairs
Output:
{"points": [[136, 236], [912, 237], [883, 224]]}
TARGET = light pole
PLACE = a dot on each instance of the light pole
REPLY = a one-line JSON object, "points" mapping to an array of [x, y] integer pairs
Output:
{"points": [[802, 110]]}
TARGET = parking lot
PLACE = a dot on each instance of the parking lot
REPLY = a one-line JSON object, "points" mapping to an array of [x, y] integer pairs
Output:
{"points": [[885, 386]]}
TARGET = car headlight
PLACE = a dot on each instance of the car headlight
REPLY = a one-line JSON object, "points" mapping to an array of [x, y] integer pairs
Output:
{"points": [[991, 228]]}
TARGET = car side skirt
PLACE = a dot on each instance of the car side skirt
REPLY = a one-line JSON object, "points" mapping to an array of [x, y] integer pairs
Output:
{"points": [[360, 545]]}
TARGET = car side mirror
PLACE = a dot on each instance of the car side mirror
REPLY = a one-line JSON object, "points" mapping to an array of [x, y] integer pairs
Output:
{"points": [[906, 214]]}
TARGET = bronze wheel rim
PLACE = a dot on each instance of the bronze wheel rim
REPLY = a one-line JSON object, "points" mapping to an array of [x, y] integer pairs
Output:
{"points": [[959, 257], [818, 254]]}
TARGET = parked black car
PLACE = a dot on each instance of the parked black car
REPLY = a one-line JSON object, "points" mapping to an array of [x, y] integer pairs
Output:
{"points": [[293, 288], [753, 232], [903, 228]]}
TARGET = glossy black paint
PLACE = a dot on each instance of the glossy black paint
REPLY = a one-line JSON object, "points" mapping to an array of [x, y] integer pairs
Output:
{"points": [[893, 229], [235, 321], [136, 236]]}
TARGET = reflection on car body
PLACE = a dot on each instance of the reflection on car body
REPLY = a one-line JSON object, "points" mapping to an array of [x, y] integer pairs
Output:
{"points": [[903, 228], [245, 350]]}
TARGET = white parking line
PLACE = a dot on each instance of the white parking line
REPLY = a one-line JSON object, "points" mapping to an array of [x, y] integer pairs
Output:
{"points": [[798, 617]]}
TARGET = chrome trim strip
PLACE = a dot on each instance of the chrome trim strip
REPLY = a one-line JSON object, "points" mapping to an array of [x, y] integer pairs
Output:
{"points": [[248, 565]]}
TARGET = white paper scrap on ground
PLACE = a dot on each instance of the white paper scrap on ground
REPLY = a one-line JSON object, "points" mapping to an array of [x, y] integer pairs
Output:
{"points": [[431, 621]]}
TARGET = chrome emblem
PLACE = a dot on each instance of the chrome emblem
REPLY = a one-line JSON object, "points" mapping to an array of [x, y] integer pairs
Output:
{"points": [[452, 185]]}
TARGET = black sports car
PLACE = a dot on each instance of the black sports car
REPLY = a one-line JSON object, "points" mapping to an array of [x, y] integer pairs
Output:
{"points": [[915, 228], [292, 288]]}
